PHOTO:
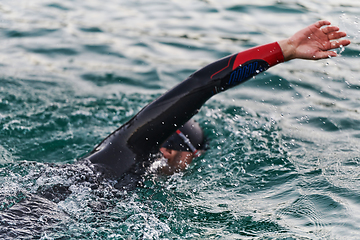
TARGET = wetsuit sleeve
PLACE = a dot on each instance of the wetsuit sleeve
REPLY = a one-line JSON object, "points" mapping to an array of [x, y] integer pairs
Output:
{"points": [[148, 129], [162, 117]]}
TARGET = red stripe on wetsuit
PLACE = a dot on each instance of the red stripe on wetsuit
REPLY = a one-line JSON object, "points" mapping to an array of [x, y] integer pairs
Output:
{"points": [[271, 53]]}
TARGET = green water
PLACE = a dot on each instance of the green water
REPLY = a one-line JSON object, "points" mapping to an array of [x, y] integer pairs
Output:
{"points": [[283, 160]]}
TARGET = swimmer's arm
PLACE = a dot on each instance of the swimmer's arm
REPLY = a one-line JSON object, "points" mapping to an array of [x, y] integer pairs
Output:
{"points": [[313, 42], [162, 117]]}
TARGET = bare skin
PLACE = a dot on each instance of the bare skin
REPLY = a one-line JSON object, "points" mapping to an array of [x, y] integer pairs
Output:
{"points": [[177, 160], [312, 43]]}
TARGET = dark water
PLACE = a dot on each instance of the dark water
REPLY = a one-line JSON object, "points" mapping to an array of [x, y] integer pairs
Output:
{"points": [[284, 154]]}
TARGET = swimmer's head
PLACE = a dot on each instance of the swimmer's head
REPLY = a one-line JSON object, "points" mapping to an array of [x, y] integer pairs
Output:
{"points": [[185, 144], [188, 138]]}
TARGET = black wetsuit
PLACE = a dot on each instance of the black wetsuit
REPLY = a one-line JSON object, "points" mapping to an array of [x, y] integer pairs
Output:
{"points": [[128, 149], [134, 142]]}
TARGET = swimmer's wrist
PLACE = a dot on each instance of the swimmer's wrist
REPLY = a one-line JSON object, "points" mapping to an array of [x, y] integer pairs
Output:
{"points": [[288, 49]]}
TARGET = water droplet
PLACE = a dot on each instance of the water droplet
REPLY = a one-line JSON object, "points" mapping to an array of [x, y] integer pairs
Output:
{"points": [[342, 49]]}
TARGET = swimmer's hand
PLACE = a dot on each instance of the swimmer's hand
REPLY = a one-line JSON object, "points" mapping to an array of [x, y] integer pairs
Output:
{"points": [[313, 42]]}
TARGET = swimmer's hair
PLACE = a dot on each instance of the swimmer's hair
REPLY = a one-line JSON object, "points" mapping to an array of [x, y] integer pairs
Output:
{"points": [[193, 132]]}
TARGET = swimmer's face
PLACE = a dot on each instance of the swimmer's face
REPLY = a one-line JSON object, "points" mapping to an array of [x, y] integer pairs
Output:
{"points": [[177, 160]]}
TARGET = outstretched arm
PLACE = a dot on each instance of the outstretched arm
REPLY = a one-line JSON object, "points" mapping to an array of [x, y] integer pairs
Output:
{"points": [[146, 131], [313, 42]]}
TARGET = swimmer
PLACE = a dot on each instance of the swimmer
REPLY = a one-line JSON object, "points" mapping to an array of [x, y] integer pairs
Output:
{"points": [[164, 125]]}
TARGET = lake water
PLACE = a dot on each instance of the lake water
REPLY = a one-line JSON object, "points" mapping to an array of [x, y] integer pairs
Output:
{"points": [[284, 156]]}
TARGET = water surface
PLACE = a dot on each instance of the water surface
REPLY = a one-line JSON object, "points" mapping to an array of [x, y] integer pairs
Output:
{"points": [[284, 151]]}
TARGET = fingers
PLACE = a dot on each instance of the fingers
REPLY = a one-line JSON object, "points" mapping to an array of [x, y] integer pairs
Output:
{"points": [[336, 35], [337, 44], [344, 42], [323, 55], [333, 45], [330, 29], [333, 33], [321, 23]]}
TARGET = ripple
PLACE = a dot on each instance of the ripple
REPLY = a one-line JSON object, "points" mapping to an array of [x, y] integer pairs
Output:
{"points": [[112, 78], [91, 29], [40, 32], [278, 8], [312, 212], [58, 6], [102, 49], [54, 51]]}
